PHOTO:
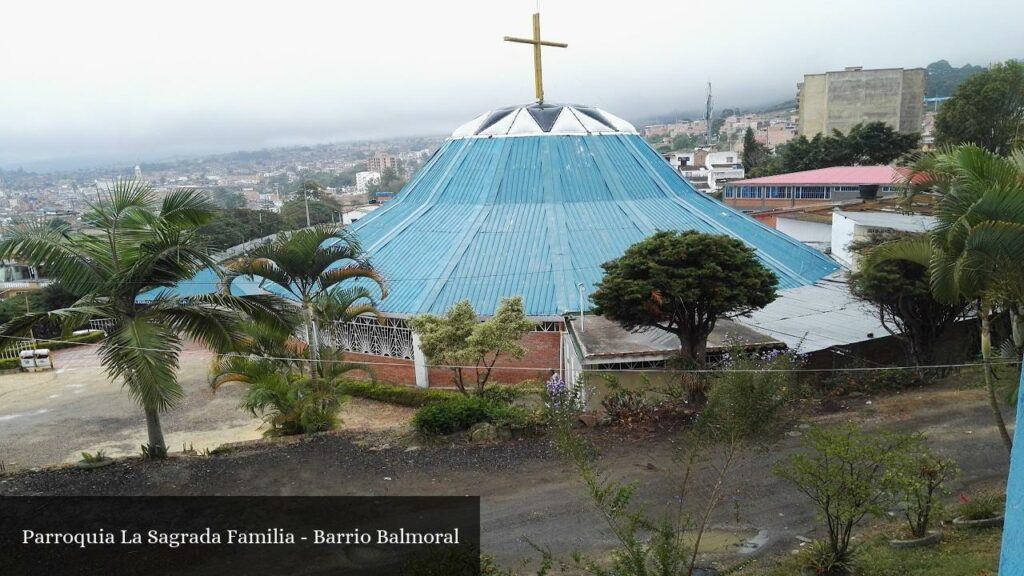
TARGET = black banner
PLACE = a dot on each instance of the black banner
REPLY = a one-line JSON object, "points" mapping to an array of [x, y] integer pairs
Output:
{"points": [[243, 535]]}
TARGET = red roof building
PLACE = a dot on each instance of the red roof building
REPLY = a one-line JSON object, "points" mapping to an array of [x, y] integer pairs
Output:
{"points": [[836, 184]]}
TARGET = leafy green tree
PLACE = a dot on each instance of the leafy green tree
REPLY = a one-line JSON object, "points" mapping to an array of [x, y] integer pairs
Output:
{"points": [[876, 143], [754, 153], [226, 198], [901, 292], [684, 142], [141, 245], [975, 250], [866, 144], [987, 110], [309, 189], [390, 181], [459, 340], [310, 266], [239, 225], [848, 477], [324, 211], [682, 283]]}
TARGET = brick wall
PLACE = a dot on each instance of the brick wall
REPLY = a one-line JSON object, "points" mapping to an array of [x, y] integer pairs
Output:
{"points": [[541, 360]]}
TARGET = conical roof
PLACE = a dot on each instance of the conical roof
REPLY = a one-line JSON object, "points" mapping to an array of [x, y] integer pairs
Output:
{"points": [[531, 200]]}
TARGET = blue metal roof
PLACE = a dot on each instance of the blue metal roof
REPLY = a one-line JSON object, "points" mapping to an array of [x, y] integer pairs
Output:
{"points": [[532, 216]]}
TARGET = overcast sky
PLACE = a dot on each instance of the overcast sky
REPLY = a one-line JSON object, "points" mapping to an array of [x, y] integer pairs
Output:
{"points": [[133, 81]]}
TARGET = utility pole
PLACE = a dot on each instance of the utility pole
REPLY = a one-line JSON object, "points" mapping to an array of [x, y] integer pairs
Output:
{"points": [[305, 198]]}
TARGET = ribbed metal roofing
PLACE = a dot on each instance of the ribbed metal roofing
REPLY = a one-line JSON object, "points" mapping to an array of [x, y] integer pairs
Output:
{"points": [[535, 215]]}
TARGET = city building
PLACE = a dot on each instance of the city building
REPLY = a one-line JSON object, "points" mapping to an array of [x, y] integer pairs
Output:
{"points": [[841, 100], [835, 184], [364, 179], [707, 170], [381, 161], [850, 227]]}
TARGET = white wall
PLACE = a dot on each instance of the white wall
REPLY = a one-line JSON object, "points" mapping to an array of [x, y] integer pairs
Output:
{"points": [[843, 233], [819, 233]]}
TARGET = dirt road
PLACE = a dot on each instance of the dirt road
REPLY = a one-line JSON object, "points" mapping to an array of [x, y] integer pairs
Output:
{"points": [[527, 489]]}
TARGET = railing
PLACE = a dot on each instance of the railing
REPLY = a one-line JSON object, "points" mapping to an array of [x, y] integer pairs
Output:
{"points": [[104, 324], [368, 336]]}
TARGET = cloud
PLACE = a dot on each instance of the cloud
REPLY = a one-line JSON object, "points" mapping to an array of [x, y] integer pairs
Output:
{"points": [[131, 79]]}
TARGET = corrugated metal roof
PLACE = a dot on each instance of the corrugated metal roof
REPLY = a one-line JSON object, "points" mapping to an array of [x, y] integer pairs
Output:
{"points": [[535, 215], [817, 317]]}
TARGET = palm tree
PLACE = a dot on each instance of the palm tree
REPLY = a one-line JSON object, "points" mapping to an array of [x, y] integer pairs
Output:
{"points": [[309, 266], [974, 251], [137, 245]]}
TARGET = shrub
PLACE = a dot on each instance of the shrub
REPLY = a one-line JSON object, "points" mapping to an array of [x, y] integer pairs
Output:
{"points": [[622, 404], [848, 477], [459, 413], [451, 415], [870, 381], [10, 363], [749, 397], [392, 394], [918, 481], [980, 506], [299, 407]]}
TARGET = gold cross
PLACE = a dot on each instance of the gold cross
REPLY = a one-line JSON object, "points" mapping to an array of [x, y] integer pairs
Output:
{"points": [[537, 43]]}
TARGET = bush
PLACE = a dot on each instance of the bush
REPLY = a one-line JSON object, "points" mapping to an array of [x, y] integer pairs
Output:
{"points": [[624, 405], [392, 394], [10, 364], [919, 478], [870, 381], [451, 415], [458, 413], [980, 506], [749, 398], [304, 406], [848, 476]]}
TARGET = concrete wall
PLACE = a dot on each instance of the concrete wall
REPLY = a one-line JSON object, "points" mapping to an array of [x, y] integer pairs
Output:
{"points": [[912, 105], [804, 231], [844, 231], [840, 100], [812, 105]]}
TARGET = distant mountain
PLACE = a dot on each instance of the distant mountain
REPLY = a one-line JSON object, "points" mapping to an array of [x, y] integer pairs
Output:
{"points": [[944, 78]]}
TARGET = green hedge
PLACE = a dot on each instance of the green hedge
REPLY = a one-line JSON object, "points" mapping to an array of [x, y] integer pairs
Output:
{"points": [[459, 413], [10, 363], [401, 395]]}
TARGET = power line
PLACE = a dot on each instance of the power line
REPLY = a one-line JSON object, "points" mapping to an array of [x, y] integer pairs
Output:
{"points": [[555, 369]]}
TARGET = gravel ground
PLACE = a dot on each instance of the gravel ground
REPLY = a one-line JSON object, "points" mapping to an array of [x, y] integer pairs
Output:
{"points": [[527, 489]]}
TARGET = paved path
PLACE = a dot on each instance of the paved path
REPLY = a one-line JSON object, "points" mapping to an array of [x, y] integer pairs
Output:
{"points": [[51, 417]]}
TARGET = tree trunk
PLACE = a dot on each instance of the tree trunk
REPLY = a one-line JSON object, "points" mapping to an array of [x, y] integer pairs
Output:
{"points": [[694, 348], [986, 354], [314, 342], [157, 447]]}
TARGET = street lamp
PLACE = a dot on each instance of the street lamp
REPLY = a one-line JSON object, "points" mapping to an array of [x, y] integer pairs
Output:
{"points": [[580, 287]]}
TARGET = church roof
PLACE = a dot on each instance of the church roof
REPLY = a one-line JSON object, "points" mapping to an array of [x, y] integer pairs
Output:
{"points": [[492, 216], [543, 118]]}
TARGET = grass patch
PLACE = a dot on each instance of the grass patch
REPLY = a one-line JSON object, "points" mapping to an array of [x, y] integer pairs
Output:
{"points": [[961, 553]]}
